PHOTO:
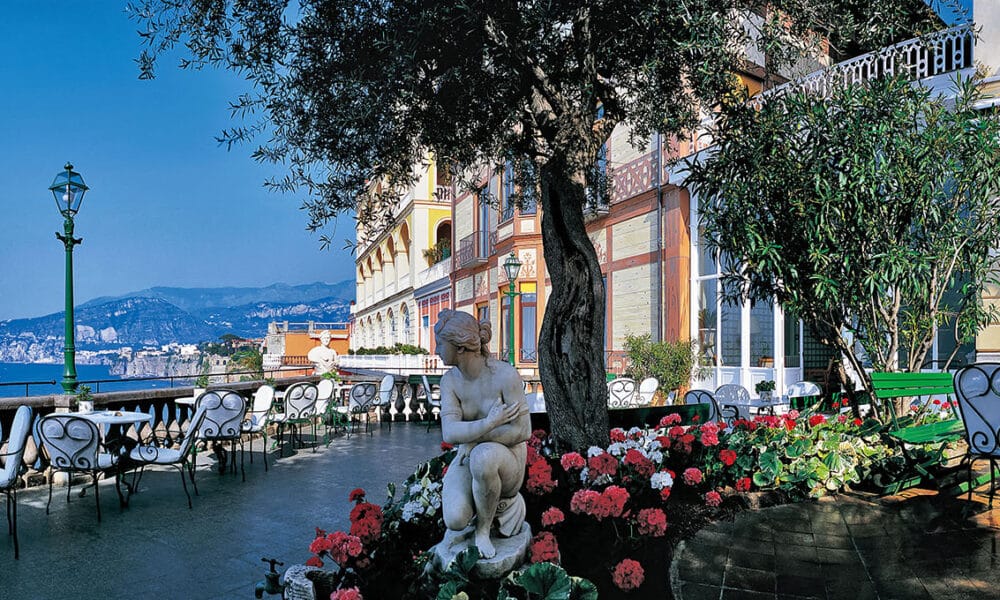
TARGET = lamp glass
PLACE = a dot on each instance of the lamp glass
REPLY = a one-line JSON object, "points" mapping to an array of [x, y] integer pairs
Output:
{"points": [[68, 190], [512, 267]]}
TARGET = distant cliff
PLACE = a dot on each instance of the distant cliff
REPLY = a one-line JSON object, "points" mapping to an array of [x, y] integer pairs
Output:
{"points": [[159, 316]]}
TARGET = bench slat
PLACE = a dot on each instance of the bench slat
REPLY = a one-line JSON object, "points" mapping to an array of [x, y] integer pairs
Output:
{"points": [[898, 385], [942, 431]]}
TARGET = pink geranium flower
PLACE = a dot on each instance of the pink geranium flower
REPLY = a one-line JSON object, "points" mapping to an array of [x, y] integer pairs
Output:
{"points": [[628, 575], [713, 498]]}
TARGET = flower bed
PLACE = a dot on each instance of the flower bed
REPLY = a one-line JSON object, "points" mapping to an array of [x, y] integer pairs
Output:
{"points": [[611, 514]]}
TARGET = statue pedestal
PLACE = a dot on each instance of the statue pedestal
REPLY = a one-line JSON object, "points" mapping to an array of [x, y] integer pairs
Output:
{"points": [[511, 552]]}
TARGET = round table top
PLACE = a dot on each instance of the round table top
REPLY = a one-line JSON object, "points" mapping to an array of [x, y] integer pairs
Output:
{"points": [[189, 400], [115, 417]]}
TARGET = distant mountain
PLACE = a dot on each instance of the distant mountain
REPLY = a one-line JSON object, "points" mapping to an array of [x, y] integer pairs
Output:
{"points": [[160, 316], [200, 300]]}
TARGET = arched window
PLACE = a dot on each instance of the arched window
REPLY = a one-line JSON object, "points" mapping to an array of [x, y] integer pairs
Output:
{"points": [[391, 337], [405, 311]]}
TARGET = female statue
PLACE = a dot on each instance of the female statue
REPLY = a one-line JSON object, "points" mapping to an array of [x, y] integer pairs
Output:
{"points": [[322, 356], [483, 413]]}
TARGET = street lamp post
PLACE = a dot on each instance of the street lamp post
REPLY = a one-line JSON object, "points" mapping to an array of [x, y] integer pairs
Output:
{"points": [[68, 189], [512, 267]]}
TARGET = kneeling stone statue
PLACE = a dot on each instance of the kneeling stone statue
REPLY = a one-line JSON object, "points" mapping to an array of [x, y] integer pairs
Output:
{"points": [[485, 415]]}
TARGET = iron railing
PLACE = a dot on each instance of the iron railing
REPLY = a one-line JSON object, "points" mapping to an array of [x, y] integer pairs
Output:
{"points": [[476, 248]]}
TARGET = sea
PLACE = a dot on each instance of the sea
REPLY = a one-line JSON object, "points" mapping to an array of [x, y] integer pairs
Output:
{"points": [[96, 376]]}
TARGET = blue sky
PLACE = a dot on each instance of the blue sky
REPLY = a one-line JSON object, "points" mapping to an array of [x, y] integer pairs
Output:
{"points": [[167, 205]]}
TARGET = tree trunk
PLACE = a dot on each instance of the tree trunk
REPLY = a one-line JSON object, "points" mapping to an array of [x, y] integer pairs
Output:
{"points": [[571, 344]]}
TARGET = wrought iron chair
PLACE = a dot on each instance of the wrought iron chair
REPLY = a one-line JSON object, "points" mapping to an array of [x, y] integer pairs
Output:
{"points": [[386, 391], [155, 451], [360, 401], [433, 399], [647, 389], [300, 410], [326, 407], [977, 388], [798, 393], [733, 399], [73, 445], [13, 467], [726, 414], [225, 411], [622, 393], [257, 419]]}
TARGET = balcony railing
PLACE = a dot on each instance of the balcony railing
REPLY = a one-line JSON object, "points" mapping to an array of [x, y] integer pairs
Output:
{"points": [[476, 248], [442, 193], [938, 53]]}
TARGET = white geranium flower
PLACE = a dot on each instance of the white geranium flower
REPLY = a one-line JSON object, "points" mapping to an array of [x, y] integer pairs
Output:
{"points": [[594, 451], [661, 480], [617, 449]]}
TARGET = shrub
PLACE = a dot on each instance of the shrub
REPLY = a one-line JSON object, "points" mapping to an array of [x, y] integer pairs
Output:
{"points": [[671, 363]]}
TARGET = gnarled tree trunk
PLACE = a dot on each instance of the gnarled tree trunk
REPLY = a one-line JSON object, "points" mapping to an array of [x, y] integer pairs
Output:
{"points": [[571, 344]]}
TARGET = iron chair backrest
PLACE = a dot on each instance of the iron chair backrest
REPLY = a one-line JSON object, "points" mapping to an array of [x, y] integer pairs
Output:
{"points": [[224, 414], [385, 389], [262, 399], [647, 389], [324, 390], [732, 393], [703, 397], [151, 452], [300, 401], [977, 387], [72, 443], [433, 398], [20, 429], [621, 392], [803, 389], [361, 396]]}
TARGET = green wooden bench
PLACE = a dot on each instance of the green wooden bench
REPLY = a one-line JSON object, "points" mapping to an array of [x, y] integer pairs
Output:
{"points": [[933, 438]]}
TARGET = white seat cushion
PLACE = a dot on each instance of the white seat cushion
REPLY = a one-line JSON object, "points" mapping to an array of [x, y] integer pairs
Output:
{"points": [[155, 455]]}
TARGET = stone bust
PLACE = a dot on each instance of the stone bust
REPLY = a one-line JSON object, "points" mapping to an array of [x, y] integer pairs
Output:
{"points": [[485, 415], [322, 356]]}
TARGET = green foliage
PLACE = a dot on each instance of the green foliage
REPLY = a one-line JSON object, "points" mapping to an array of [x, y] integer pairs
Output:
{"points": [[806, 457], [545, 581], [764, 386], [83, 394], [671, 363], [396, 349], [248, 360], [860, 212]]}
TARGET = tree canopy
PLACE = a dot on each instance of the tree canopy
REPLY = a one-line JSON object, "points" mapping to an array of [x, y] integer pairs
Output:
{"points": [[344, 92], [871, 213]]}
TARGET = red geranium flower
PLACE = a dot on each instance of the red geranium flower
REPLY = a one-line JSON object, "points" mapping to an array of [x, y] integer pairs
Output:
{"points": [[692, 476], [856, 422], [664, 494], [552, 516], [544, 548], [628, 575], [617, 434], [314, 561], [728, 457], [816, 420], [713, 498], [743, 484], [636, 460], [445, 446], [572, 460], [671, 419], [602, 464], [352, 593], [356, 495], [540, 478], [652, 521]]}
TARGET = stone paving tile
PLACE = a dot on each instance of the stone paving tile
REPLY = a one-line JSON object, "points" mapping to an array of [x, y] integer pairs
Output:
{"points": [[755, 580]]}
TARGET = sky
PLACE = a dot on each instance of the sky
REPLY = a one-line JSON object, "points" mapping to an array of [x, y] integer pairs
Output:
{"points": [[167, 205]]}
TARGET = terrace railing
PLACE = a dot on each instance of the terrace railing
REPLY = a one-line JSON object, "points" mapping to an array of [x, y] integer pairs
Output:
{"points": [[934, 54]]}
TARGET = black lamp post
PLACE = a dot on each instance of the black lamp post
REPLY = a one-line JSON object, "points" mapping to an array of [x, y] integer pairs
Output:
{"points": [[512, 267], [68, 189]]}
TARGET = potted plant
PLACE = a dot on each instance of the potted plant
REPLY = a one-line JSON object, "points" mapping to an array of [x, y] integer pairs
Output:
{"points": [[765, 389], [84, 399], [200, 384]]}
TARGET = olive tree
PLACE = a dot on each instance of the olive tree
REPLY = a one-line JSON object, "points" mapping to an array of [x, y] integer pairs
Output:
{"points": [[872, 213], [343, 92]]}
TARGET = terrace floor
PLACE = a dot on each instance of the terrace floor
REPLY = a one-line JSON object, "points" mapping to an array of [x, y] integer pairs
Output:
{"points": [[915, 545], [158, 548]]}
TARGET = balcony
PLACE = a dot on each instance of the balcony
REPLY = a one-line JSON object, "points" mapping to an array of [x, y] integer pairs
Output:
{"points": [[936, 54], [476, 249]]}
